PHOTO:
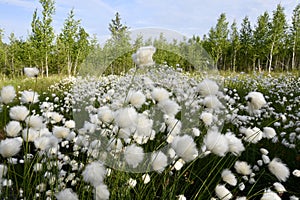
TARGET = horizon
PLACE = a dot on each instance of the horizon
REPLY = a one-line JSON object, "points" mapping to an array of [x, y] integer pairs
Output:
{"points": [[187, 18]]}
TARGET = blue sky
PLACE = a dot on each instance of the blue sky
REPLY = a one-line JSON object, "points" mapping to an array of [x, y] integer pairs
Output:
{"points": [[188, 17]]}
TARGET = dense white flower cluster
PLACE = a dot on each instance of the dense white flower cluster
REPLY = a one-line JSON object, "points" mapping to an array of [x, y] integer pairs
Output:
{"points": [[157, 122]]}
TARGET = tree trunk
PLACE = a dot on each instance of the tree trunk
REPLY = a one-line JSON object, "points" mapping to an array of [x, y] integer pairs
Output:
{"points": [[293, 54], [234, 61], [271, 57], [46, 65]]}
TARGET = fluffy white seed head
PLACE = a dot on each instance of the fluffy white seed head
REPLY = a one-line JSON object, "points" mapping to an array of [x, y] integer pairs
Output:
{"points": [[229, 177], [10, 146], [256, 101], [94, 173], [269, 132], [279, 169], [66, 194], [159, 161], [270, 195], [126, 117], [136, 98], [13, 128], [143, 56], [134, 155], [160, 94], [102, 192], [208, 87], [185, 147], [7, 94], [29, 97], [216, 142], [253, 135], [18, 113], [222, 192], [242, 167]]}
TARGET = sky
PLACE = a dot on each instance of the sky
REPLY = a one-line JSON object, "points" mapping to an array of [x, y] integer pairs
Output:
{"points": [[185, 17]]}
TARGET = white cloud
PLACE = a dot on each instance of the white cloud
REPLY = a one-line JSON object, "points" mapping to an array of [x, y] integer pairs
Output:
{"points": [[20, 3]]}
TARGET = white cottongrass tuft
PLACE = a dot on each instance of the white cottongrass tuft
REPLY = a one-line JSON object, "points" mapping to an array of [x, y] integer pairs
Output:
{"points": [[105, 114], [18, 113], [132, 182], [279, 169], [146, 178], [143, 56], [229, 177], [270, 195], [126, 117], [60, 132], [296, 172], [13, 128], [160, 94], [8, 94], [208, 87], [29, 97], [222, 192], [70, 124], [256, 101], [94, 173], [144, 126], [101, 192], [264, 151], [31, 71], [207, 118], [35, 122], [10, 146], [30, 134], [235, 144], [185, 147], [134, 155], [66, 194], [253, 135], [279, 187], [136, 98], [269, 132], [242, 167], [212, 102], [169, 107], [159, 161], [216, 142], [181, 197], [45, 142]]}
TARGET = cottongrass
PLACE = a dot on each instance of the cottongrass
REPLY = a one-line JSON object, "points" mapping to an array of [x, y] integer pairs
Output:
{"points": [[94, 173], [102, 192], [229, 177], [279, 169], [13, 128], [216, 142], [242, 167], [10, 146], [222, 192], [159, 161], [7, 94], [270, 195], [134, 155], [185, 147], [18, 113], [66, 194]]}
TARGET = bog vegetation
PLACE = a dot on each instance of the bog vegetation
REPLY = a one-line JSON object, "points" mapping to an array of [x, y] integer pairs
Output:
{"points": [[269, 44]]}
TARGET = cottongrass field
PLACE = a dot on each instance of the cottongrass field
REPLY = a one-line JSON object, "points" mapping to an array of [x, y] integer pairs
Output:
{"points": [[154, 133]]}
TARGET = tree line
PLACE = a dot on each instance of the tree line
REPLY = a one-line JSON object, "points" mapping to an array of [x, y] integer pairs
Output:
{"points": [[269, 44]]}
